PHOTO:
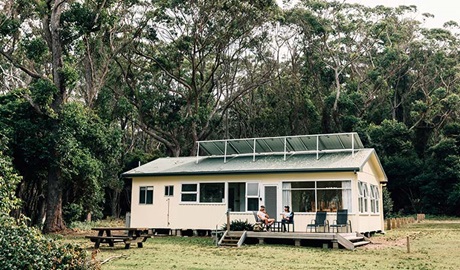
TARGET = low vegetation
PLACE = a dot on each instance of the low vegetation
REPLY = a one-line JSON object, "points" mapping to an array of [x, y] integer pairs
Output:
{"points": [[24, 247], [433, 244]]}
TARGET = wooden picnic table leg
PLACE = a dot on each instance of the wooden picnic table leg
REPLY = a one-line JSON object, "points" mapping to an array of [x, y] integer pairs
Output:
{"points": [[97, 243]]}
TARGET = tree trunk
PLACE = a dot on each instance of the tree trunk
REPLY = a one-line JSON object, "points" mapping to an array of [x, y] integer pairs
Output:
{"points": [[114, 205], [54, 221]]}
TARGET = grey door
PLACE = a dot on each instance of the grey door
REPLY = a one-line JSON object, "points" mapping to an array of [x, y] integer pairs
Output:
{"points": [[270, 201]]}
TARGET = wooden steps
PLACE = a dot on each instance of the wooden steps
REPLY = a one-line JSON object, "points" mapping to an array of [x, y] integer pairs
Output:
{"points": [[232, 239], [351, 241]]}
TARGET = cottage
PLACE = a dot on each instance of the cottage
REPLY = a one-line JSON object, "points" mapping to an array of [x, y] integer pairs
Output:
{"points": [[310, 173]]}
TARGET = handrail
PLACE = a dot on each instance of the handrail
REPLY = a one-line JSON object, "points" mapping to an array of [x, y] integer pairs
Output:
{"points": [[217, 224]]}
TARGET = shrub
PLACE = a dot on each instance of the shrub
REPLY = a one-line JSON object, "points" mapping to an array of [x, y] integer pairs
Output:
{"points": [[72, 213], [238, 225], [8, 182], [26, 248]]}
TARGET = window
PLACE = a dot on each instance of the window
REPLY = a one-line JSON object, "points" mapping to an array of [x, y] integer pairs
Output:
{"points": [[363, 197], [146, 195], [212, 192], [252, 196], [203, 192], [375, 196], [236, 197], [169, 190], [311, 196], [189, 192], [243, 196]]}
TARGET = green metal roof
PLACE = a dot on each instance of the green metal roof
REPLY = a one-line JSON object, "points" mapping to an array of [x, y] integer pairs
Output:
{"points": [[278, 163]]}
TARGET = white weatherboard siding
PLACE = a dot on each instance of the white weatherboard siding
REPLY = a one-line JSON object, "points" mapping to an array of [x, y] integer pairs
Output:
{"points": [[182, 215]]}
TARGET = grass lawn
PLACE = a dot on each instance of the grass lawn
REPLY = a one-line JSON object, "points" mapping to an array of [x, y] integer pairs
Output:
{"points": [[434, 245]]}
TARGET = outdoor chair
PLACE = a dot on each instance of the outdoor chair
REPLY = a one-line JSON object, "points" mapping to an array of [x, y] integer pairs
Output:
{"points": [[288, 222], [342, 220], [262, 224], [319, 221]]}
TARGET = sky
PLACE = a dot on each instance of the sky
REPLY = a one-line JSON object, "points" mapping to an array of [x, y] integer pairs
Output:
{"points": [[443, 10]]}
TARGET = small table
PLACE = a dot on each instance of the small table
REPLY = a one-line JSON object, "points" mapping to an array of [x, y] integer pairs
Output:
{"points": [[277, 225], [130, 235]]}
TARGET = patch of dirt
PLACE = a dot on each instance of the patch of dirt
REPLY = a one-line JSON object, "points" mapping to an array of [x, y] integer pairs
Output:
{"points": [[74, 232], [382, 242]]}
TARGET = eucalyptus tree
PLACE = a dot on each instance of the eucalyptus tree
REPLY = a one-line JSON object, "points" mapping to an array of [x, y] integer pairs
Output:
{"points": [[435, 70], [48, 41], [336, 43], [190, 64]]}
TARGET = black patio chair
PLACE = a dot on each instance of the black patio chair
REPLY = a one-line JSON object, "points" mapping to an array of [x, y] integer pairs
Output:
{"points": [[342, 220], [319, 221]]}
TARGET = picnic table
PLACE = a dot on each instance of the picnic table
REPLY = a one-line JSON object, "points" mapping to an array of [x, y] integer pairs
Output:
{"points": [[112, 235]]}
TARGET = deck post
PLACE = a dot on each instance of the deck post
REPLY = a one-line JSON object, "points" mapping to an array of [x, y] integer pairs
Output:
{"points": [[335, 245], [261, 241], [228, 219], [297, 242]]}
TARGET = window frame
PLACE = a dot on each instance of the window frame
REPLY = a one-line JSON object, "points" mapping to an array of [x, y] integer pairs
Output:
{"points": [[363, 197], [169, 190], [374, 198], [143, 195], [207, 183], [252, 196], [317, 189], [197, 193]]}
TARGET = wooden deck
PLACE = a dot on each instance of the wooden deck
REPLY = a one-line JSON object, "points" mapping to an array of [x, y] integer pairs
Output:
{"points": [[346, 240]]}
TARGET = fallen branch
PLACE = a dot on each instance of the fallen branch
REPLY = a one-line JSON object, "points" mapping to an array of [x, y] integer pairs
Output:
{"points": [[112, 258]]}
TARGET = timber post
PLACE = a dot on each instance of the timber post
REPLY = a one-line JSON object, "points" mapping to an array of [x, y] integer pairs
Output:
{"points": [[228, 219]]}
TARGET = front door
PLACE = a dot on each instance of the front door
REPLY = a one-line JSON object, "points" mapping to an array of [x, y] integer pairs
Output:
{"points": [[270, 201]]}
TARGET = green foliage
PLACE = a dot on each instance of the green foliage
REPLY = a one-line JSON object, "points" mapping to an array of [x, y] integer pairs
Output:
{"points": [[8, 182], [43, 92], [25, 248], [8, 26], [36, 49], [238, 225], [72, 212], [387, 203], [87, 225], [89, 150]]}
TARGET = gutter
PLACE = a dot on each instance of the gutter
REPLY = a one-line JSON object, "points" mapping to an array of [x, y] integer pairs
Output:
{"points": [[351, 169]]}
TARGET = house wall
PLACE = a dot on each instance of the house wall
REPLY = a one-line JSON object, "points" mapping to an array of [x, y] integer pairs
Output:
{"points": [[371, 221], [170, 212]]}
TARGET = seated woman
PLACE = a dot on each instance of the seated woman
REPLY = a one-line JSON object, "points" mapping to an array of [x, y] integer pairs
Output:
{"points": [[263, 217], [286, 217]]}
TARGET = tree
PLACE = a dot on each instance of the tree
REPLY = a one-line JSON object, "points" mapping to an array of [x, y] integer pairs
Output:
{"points": [[43, 39], [193, 60]]}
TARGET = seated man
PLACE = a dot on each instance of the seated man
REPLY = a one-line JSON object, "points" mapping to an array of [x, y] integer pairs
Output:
{"points": [[286, 217], [263, 217]]}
